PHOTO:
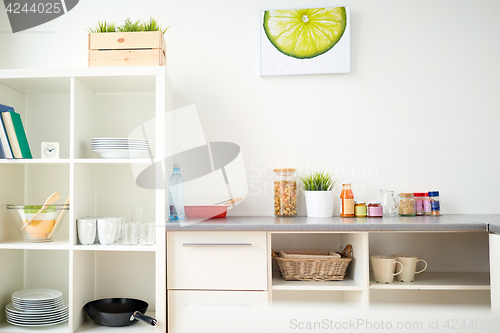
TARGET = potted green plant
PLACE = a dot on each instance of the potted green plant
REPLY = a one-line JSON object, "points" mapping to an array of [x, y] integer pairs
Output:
{"points": [[138, 43], [318, 189]]}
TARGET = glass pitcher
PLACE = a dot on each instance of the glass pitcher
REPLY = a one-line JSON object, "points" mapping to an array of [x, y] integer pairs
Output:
{"points": [[390, 202]]}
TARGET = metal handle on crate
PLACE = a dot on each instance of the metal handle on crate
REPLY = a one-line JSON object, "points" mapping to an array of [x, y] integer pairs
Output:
{"points": [[216, 244]]}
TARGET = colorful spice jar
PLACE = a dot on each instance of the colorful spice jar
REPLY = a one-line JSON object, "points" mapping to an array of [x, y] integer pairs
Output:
{"points": [[285, 192], [435, 207], [419, 203], [427, 204], [375, 209], [360, 209]]}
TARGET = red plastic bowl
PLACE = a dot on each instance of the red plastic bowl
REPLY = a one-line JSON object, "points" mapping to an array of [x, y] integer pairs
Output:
{"points": [[205, 211]]}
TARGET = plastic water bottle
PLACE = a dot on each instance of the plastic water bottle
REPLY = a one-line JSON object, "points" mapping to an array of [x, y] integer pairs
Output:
{"points": [[176, 194]]}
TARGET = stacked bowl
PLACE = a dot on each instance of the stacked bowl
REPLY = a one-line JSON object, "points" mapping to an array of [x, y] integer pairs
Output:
{"points": [[119, 147], [37, 307]]}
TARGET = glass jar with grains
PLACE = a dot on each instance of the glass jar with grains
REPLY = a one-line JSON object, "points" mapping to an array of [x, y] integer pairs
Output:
{"points": [[285, 192], [407, 204]]}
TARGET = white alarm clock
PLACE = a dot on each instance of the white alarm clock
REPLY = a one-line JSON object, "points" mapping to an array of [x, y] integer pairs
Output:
{"points": [[50, 150]]}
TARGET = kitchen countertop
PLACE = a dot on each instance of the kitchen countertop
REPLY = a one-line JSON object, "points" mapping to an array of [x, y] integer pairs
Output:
{"points": [[492, 220], [450, 223]]}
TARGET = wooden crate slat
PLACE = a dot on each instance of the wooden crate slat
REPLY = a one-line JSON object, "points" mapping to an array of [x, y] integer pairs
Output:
{"points": [[126, 40], [126, 58]]}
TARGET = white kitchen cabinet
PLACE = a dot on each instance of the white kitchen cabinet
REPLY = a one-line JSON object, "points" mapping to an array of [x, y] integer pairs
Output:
{"points": [[495, 272], [207, 311], [71, 106], [217, 261]]}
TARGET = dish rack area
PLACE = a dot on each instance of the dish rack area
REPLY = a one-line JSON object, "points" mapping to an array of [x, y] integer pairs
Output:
{"points": [[71, 107], [458, 270]]}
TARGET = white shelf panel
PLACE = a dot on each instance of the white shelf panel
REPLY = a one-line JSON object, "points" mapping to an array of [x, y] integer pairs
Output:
{"points": [[35, 161], [118, 246], [112, 161], [347, 284], [5, 327], [18, 243], [139, 327], [440, 281]]}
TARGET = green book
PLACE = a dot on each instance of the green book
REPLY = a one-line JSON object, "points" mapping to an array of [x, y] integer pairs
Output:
{"points": [[17, 135]]}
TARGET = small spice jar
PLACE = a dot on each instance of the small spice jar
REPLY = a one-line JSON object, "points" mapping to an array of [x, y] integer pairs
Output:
{"points": [[285, 192], [407, 204], [360, 209], [375, 209], [419, 204], [435, 207], [427, 204]]}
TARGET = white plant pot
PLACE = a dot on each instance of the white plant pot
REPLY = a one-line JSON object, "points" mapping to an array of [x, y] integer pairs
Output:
{"points": [[319, 203]]}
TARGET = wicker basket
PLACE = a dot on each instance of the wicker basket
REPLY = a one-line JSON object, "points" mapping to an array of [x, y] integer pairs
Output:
{"points": [[315, 269]]}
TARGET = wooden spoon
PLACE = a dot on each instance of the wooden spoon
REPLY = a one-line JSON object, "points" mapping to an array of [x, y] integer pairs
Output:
{"points": [[59, 218], [50, 200]]}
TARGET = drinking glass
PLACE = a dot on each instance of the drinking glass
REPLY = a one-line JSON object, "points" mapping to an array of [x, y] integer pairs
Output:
{"points": [[130, 233], [147, 233]]}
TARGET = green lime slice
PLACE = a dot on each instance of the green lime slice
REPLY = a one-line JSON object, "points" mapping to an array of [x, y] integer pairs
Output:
{"points": [[305, 33]]}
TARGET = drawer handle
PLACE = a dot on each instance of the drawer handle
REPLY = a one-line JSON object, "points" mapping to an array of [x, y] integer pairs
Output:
{"points": [[216, 244]]}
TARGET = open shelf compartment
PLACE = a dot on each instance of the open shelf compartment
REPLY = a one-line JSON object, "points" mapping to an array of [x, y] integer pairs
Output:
{"points": [[31, 184], [29, 269], [350, 290]]}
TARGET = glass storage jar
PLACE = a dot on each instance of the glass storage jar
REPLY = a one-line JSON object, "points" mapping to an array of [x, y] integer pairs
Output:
{"points": [[407, 204], [285, 192], [360, 209], [427, 204], [375, 209], [419, 204]]}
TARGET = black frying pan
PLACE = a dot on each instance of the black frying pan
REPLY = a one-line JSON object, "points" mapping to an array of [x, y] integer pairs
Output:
{"points": [[118, 311]]}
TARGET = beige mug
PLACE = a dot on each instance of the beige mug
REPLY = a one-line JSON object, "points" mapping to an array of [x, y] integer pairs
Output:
{"points": [[409, 267], [383, 268]]}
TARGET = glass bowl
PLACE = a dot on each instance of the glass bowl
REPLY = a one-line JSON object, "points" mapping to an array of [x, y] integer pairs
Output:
{"points": [[38, 230]]}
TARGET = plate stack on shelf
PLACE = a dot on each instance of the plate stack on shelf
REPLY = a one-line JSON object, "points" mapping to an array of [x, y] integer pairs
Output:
{"points": [[119, 147], [36, 307]]}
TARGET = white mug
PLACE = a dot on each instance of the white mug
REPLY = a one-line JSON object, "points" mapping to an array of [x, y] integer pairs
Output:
{"points": [[383, 268], [86, 230], [409, 267], [106, 227]]}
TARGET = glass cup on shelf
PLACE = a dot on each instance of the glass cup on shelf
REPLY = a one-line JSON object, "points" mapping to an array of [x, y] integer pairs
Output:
{"points": [[147, 233], [130, 232]]}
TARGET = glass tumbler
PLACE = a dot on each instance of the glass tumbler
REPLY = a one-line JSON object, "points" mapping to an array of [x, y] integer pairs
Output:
{"points": [[130, 233], [147, 233]]}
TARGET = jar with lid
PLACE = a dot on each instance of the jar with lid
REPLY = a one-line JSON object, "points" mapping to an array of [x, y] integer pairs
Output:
{"points": [[407, 204], [375, 209], [346, 201], [435, 207], [285, 192], [427, 204], [360, 209], [419, 204]]}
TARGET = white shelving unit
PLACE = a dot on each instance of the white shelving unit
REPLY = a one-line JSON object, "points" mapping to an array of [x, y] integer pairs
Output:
{"points": [[71, 106]]}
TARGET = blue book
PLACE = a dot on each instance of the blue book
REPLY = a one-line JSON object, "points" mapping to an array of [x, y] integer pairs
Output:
{"points": [[6, 108]]}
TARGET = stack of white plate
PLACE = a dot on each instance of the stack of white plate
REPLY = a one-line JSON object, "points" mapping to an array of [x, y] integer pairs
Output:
{"points": [[36, 307], [119, 147]]}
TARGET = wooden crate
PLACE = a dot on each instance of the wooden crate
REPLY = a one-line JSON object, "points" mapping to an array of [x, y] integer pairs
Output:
{"points": [[127, 49]]}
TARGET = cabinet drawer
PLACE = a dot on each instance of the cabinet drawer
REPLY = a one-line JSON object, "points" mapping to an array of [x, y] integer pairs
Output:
{"points": [[217, 260], [213, 311]]}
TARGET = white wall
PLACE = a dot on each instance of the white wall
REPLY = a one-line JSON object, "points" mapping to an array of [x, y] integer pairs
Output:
{"points": [[419, 110]]}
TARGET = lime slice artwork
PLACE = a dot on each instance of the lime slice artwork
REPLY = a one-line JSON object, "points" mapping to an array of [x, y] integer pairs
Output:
{"points": [[305, 33]]}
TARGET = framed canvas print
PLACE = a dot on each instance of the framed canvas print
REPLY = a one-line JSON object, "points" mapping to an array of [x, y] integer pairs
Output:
{"points": [[305, 41]]}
